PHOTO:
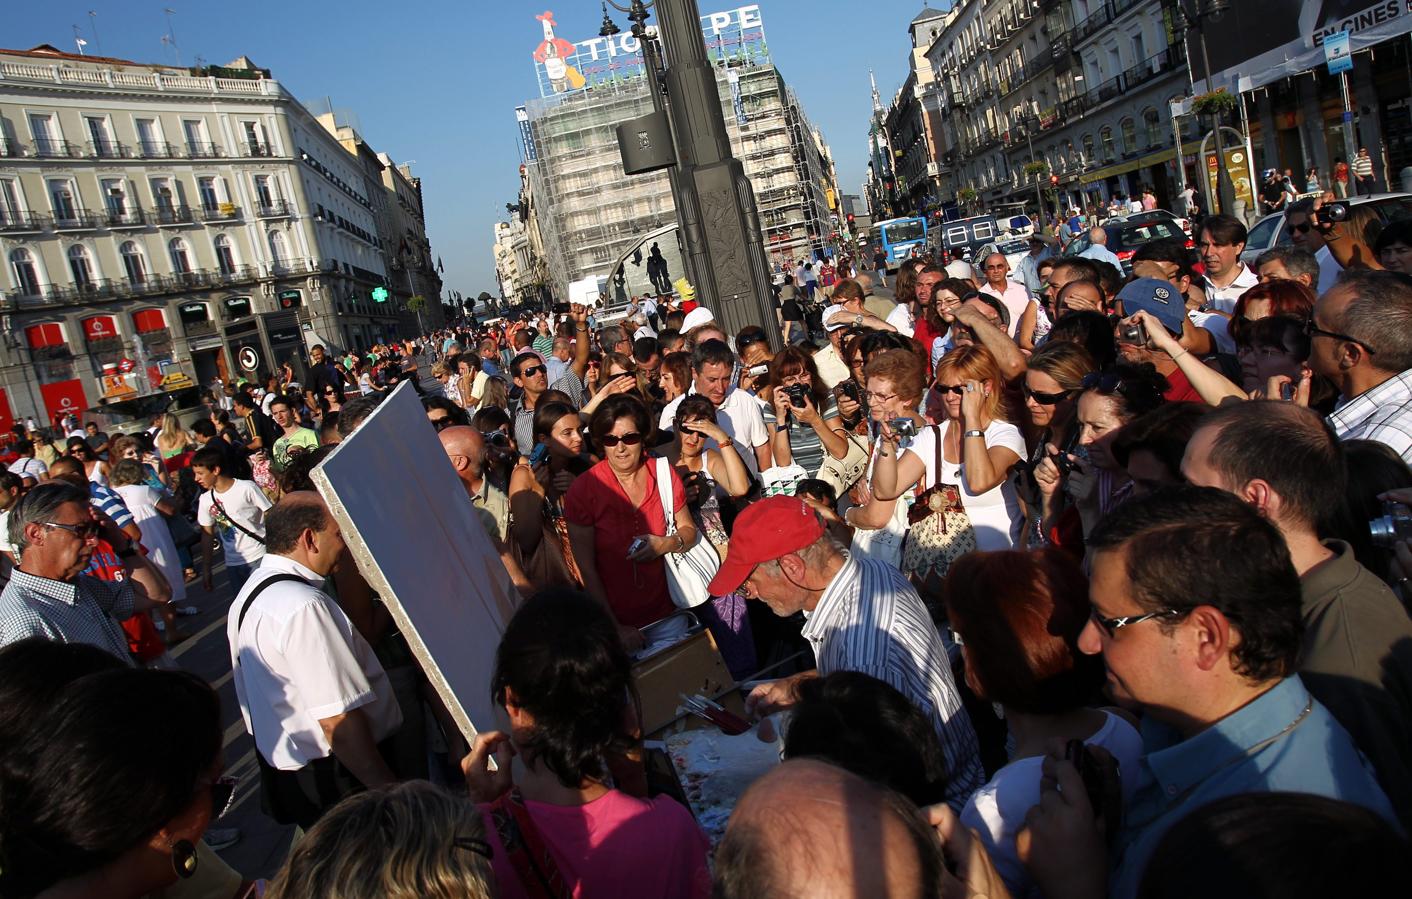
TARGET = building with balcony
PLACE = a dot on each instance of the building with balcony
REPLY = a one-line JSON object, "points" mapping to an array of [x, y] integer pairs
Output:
{"points": [[588, 212], [913, 123], [156, 220], [1080, 87]]}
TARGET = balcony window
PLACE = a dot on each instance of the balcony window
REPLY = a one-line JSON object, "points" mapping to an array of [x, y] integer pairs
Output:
{"points": [[80, 266], [25, 273], [225, 255], [1129, 130], [133, 263], [206, 187], [181, 259], [1106, 138], [1152, 125], [61, 197]]}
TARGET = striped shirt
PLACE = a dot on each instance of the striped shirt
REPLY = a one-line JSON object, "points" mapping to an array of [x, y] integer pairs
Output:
{"points": [[871, 620], [1383, 414], [805, 446], [84, 610], [108, 502]]}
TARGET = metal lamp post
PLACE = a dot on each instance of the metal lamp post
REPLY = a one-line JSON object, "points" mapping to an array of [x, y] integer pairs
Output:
{"points": [[715, 202], [1197, 13]]}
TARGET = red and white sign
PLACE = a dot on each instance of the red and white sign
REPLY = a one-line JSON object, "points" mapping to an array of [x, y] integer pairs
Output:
{"points": [[63, 397], [46, 335], [100, 327], [126, 365]]}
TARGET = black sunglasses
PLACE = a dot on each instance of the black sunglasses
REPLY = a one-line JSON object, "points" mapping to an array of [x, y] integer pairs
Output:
{"points": [[531, 371], [1047, 399], [631, 439], [957, 389], [1311, 330], [1102, 381], [441, 424], [1301, 228]]}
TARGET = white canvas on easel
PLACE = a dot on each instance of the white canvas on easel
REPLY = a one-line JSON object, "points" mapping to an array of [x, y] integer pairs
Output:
{"points": [[420, 545]]}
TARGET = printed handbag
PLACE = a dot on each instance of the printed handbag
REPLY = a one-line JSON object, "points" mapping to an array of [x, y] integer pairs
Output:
{"points": [[941, 529], [843, 473], [688, 573]]}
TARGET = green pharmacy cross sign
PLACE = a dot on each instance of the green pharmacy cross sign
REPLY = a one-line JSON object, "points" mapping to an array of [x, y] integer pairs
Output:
{"points": [[380, 294]]}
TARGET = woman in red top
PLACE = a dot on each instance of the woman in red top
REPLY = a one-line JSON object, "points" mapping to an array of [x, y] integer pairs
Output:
{"points": [[616, 522]]}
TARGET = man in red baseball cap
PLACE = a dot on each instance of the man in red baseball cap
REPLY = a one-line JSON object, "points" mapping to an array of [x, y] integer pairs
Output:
{"points": [[863, 615]]}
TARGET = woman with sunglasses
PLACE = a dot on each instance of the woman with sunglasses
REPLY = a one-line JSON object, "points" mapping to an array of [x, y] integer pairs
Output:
{"points": [[973, 448], [1051, 387], [617, 524], [538, 535], [1092, 481]]}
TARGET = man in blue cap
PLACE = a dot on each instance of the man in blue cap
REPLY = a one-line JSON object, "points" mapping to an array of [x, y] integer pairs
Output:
{"points": [[1163, 301]]}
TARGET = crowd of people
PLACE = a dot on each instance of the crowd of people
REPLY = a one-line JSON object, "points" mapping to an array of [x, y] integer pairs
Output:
{"points": [[1071, 584]]}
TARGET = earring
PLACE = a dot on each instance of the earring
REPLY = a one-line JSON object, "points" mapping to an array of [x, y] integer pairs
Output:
{"points": [[184, 858]]}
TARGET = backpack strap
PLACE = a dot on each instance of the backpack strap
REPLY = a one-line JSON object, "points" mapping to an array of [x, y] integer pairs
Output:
{"points": [[250, 600]]}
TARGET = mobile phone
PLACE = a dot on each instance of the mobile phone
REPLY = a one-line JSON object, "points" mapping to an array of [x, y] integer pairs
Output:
{"points": [[636, 544], [1077, 753], [1287, 391], [850, 389], [539, 453], [1061, 458], [758, 371], [561, 308]]}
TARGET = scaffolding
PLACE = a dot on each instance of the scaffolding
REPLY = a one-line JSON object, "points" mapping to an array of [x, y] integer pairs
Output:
{"points": [[590, 212]]}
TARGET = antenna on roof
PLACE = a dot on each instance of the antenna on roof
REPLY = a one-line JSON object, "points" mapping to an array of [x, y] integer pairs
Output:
{"points": [[93, 23], [170, 38]]}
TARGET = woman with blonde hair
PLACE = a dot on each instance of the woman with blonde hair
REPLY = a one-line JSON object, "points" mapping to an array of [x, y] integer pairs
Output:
{"points": [[960, 468], [407, 841], [172, 439]]}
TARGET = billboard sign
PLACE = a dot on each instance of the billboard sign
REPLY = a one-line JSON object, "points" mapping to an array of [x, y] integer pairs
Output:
{"points": [[63, 398], [1260, 41], [527, 147], [1337, 53], [562, 66]]}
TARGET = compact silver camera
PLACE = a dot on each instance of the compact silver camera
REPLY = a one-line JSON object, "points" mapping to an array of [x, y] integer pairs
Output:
{"points": [[1393, 525], [905, 429]]}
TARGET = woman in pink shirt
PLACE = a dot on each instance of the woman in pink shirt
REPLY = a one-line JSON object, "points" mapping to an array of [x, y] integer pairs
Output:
{"points": [[557, 825]]}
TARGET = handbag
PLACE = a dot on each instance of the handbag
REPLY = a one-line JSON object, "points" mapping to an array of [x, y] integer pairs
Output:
{"points": [[842, 474], [690, 572], [941, 530]]}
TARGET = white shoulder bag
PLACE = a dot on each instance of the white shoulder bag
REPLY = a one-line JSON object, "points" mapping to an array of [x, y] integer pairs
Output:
{"points": [[689, 572]]}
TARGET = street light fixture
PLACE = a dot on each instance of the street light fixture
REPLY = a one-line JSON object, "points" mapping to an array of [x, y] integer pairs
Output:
{"points": [[1195, 14]]}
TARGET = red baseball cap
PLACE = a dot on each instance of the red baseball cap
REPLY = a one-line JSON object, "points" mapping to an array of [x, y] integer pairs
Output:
{"points": [[773, 527]]}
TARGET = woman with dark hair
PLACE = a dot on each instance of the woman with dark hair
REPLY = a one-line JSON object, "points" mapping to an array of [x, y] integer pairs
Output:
{"points": [[713, 478], [1374, 469], [617, 522], [1394, 246], [800, 413], [866, 726], [539, 537], [96, 469], [1051, 388], [1017, 617], [568, 706], [1092, 479], [120, 811]]}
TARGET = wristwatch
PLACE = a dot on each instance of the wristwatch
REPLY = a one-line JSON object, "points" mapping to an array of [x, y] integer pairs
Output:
{"points": [[974, 433], [857, 321]]}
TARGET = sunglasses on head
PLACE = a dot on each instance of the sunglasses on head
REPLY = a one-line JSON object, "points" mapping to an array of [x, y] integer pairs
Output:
{"points": [[1047, 399], [1103, 382], [630, 439]]}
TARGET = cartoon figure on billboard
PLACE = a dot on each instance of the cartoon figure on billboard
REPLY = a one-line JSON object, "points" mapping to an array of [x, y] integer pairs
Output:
{"points": [[554, 53]]}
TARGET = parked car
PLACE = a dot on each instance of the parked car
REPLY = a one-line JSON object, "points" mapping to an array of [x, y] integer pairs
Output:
{"points": [[1157, 215], [1125, 236], [1270, 231]]}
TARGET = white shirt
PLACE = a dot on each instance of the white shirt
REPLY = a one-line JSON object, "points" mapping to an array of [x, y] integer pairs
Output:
{"points": [[29, 467], [1016, 299], [1224, 298], [245, 503], [1329, 269], [141, 501], [997, 811], [297, 661], [995, 514], [901, 319], [1218, 325], [1383, 414], [832, 369], [740, 415]]}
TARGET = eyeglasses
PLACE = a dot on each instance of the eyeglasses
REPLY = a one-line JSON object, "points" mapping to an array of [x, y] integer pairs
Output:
{"points": [[957, 389], [441, 423], [856, 362], [874, 398], [1110, 625], [1047, 399], [630, 439], [531, 371], [1302, 228], [86, 531], [1102, 381], [1311, 330], [222, 792]]}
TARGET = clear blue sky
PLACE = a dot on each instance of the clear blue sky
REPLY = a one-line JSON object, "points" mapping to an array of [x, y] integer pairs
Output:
{"points": [[437, 81]]}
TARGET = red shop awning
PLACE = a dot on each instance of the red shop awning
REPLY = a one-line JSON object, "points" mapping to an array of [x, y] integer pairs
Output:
{"points": [[46, 335], [149, 320]]}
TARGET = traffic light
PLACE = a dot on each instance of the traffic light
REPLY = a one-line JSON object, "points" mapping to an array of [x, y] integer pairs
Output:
{"points": [[850, 218], [1054, 180], [380, 294]]}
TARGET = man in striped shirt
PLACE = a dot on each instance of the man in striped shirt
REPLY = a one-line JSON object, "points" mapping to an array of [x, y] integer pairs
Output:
{"points": [[863, 615]]}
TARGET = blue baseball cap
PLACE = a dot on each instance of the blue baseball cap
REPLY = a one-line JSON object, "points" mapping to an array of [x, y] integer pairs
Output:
{"points": [[1160, 299]]}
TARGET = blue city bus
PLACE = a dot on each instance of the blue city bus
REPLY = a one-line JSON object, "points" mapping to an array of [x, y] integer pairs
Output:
{"points": [[900, 237]]}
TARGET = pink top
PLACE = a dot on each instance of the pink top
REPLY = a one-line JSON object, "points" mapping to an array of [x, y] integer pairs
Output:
{"points": [[615, 846]]}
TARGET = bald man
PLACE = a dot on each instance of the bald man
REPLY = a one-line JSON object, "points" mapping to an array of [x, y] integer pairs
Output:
{"points": [[1098, 249], [465, 447], [810, 829]]}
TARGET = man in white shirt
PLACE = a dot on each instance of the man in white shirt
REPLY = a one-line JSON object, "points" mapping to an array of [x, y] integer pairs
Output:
{"points": [[1299, 220], [1098, 249], [1360, 337], [311, 691], [738, 413], [1221, 243], [1015, 297], [234, 509], [27, 466]]}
